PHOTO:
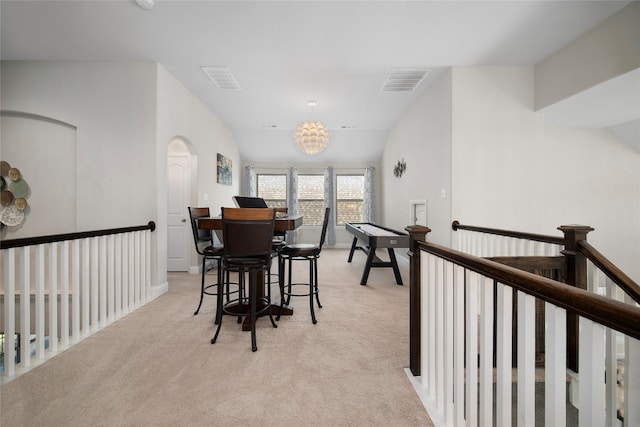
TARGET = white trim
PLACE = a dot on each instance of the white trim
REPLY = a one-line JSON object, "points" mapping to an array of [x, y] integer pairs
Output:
{"points": [[157, 290], [429, 404]]}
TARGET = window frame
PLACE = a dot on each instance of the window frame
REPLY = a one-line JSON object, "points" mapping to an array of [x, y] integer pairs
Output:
{"points": [[300, 200], [274, 173], [312, 170], [335, 186]]}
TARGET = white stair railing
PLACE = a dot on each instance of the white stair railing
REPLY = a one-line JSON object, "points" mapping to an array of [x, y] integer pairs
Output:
{"points": [[58, 290], [466, 315]]}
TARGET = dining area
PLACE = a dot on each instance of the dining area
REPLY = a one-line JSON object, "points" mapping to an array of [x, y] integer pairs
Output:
{"points": [[251, 253]]}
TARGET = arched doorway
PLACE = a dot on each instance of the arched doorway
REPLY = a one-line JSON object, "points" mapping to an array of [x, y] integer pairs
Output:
{"points": [[182, 166]]}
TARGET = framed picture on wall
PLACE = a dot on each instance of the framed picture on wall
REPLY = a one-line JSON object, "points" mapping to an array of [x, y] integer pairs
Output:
{"points": [[224, 170]]}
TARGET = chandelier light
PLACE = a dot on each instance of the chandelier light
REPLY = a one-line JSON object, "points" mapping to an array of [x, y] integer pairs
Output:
{"points": [[311, 137], [145, 4]]}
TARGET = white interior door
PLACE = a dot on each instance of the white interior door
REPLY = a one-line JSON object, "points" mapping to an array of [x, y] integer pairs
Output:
{"points": [[179, 235]]}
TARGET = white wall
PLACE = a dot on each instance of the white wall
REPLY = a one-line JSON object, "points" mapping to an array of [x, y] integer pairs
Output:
{"points": [[181, 114], [37, 146], [126, 114], [423, 139], [498, 164], [510, 171], [601, 188], [607, 51], [113, 107], [507, 169]]}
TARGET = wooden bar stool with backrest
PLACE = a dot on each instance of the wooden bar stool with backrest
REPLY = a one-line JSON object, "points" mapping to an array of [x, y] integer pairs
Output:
{"points": [[279, 240], [248, 234], [302, 252], [205, 247]]}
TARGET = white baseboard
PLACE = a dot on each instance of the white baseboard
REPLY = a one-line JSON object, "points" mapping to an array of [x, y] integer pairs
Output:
{"points": [[197, 269], [429, 404], [157, 290]]}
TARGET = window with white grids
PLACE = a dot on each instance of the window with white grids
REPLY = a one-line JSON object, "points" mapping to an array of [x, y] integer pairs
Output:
{"points": [[273, 189], [311, 198], [349, 198]]}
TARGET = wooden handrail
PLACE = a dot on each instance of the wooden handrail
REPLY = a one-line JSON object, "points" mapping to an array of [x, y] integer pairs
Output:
{"points": [[617, 315], [31, 241], [558, 240], [607, 267], [614, 273]]}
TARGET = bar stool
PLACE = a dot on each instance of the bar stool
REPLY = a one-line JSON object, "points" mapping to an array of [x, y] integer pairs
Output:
{"points": [[302, 252], [203, 240], [248, 234], [278, 242]]}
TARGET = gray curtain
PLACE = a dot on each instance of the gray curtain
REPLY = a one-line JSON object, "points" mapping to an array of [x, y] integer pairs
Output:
{"points": [[369, 203], [329, 202], [250, 182]]}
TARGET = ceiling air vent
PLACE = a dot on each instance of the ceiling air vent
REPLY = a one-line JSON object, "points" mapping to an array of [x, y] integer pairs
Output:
{"points": [[404, 79], [222, 77]]}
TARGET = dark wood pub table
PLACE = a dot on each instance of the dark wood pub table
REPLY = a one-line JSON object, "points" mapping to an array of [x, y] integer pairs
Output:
{"points": [[375, 236], [287, 223]]}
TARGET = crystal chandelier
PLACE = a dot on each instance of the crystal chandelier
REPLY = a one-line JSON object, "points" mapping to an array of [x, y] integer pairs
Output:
{"points": [[311, 137]]}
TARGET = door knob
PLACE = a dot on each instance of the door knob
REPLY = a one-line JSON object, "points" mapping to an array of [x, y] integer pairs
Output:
{"points": [[183, 220]]}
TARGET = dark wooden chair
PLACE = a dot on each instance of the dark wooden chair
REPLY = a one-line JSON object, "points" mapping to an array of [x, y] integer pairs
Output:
{"points": [[280, 235], [248, 235], [302, 252], [203, 240]]}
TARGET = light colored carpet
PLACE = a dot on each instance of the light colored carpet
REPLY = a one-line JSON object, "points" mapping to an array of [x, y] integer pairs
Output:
{"points": [[156, 367]]}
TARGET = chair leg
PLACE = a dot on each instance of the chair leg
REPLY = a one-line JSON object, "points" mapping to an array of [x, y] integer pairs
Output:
{"points": [[311, 286], [281, 262], [220, 287], [218, 315], [226, 275], [241, 293], [273, 323], [252, 301], [289, 282], [204, 260], [315, 272]]}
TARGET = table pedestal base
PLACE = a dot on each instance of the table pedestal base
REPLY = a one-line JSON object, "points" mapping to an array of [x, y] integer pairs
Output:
{"points": [[242, 309]]}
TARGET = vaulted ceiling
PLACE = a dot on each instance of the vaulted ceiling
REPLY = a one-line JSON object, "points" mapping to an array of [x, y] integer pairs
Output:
{"points": [[282, 54]]}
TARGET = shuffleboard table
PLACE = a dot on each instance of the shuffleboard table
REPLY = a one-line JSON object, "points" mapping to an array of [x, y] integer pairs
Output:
{"points": [[372, 237]]}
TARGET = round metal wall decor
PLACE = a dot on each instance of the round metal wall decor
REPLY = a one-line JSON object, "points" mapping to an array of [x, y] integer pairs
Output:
{"points": [[13, 195]]}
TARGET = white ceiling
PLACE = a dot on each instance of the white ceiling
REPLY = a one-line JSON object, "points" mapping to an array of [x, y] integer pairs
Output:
{"points": [[284, 53]]}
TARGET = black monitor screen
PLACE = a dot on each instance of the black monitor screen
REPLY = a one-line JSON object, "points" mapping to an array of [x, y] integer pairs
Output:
{"points": [[249, 202]]}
